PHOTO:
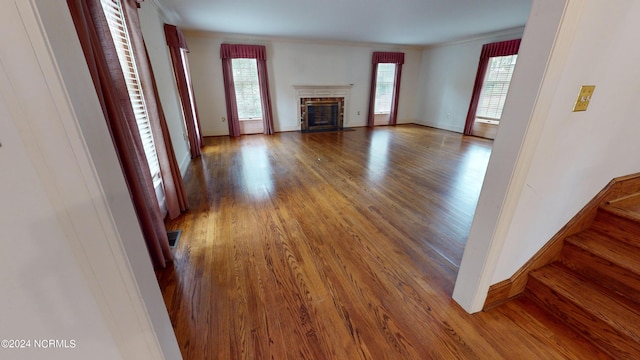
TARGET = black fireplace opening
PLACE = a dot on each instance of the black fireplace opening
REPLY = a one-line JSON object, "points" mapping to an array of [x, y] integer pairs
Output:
{"points": [[322, 114]]}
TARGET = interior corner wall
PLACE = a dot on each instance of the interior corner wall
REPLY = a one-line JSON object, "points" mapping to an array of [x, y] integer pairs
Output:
{"points": [[578, 153], [549, 161], [525, 111], [447, 75], [297, 62], [152, 25]]}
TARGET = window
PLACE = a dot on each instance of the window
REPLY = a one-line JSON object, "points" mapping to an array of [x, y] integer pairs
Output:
{"points": [[386, 72], [493, 77], [245, 82], [194, 116], [495, 88], [258, 101], [384, 88], [118, 27]]}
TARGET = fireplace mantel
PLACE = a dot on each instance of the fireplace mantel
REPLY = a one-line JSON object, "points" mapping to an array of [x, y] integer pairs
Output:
{"points": [[303, 91], [324, 91]]}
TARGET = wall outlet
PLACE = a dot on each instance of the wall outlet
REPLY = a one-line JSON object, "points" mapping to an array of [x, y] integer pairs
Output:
{"points": [[224, 119], [586, 92]]}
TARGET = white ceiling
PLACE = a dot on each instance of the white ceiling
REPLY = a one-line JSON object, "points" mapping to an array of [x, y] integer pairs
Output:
{"points": [[408, 22]]}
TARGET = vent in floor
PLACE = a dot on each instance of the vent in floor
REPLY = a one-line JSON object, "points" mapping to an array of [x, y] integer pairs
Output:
{"points": [[174, 236]]}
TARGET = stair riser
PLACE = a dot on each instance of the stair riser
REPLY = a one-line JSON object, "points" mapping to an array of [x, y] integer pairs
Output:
{"points": [[617, 227], [603, 272], [583, 321]]}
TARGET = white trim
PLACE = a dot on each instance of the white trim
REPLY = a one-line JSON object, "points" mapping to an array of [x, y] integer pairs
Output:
{"points": [[516, 32], [324, 90], [184, 164], [487, 121], [168, 15], [158, 187], [265, 40]]}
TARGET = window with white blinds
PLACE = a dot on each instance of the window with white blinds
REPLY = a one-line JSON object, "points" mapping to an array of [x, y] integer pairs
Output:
{"points": [[245, 82], [495, 88], [385, 80], [118, 27]]}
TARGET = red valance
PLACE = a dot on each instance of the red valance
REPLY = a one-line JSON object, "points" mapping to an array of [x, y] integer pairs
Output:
{"points": [[137, 3], [503, 48], [175, 37], [237, 51], [388, 57]]}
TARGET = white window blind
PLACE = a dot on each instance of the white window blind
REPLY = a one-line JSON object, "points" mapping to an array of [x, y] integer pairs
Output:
{"points": [[495, 87], [384, 88], [118, 27], [245, 81]]}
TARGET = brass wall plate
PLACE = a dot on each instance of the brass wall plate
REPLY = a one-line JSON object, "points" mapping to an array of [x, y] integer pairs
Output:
{"points": [[582, 102]]}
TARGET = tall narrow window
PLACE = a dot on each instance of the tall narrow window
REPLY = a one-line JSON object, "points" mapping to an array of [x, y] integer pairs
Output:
{"points": [[120, 35], [386, 72], [178, 49], [111, 39], [245, 98], [384, 88], [245, 81], [495, 68], [495, 88], [191, 101]]}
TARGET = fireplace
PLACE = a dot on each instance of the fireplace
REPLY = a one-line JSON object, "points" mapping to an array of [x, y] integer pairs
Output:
{"points": [[322, 107], [321, 114]]}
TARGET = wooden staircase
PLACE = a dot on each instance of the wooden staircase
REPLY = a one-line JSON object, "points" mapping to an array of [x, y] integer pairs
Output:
{"points": [[593, 285]]}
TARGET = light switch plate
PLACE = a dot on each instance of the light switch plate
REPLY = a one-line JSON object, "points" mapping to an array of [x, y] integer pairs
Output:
{"points": [[586, 92]]}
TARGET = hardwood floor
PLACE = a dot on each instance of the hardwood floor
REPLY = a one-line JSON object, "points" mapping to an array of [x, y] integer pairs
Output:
{"points": [[341, 245]]}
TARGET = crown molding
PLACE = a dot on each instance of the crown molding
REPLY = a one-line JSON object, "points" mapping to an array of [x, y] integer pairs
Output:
{"points": [[516, 32], [167, 15], [262, 39]]}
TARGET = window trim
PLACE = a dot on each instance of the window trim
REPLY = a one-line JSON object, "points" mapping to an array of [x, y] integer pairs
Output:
{"points": [[503, 48]]}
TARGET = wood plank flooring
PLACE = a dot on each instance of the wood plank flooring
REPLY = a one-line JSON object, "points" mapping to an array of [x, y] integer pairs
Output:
{"points": [[341, 245]]}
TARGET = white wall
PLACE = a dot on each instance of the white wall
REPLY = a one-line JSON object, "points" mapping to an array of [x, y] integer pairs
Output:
{"points": [[152, 24], [74, 260], [548, 161], [290, 63], [447, 74], [44, 294], [580, 152]]}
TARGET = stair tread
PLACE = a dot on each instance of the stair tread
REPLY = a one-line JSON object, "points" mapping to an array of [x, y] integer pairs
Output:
{"points": [[628, 208], [617, 252], [630, 202], [618, 224], [620, 314]]}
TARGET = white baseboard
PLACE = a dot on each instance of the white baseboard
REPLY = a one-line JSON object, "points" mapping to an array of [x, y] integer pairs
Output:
{"points": [[184, 164], [162, 200]]}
